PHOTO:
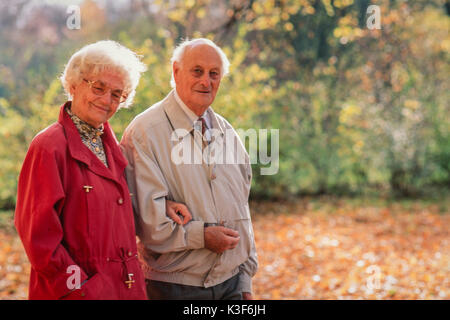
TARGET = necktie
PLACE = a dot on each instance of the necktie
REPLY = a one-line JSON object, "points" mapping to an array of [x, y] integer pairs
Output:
{"points": [[203, 125]]}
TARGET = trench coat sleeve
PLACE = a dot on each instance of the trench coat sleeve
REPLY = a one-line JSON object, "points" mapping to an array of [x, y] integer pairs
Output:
{"points": [[40, 200], [250, 266], [146, 182], [248, 269]]}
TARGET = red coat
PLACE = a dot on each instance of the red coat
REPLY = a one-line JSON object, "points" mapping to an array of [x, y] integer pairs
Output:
{"points": [[74, 216]]}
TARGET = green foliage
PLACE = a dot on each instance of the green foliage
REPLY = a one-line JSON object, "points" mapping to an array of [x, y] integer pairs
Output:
{"points": [[359, 111]]}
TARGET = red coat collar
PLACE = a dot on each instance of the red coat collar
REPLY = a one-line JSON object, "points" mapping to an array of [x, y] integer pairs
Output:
{"points": [[79, 151]]}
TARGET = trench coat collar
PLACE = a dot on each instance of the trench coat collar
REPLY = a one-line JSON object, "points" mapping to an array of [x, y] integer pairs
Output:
{"points": [[78, 151], [180, 120]]}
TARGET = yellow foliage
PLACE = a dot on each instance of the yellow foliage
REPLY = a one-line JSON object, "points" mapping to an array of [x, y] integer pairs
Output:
{"points": [[328, 7], [342, 3], [309, 10], [189, 4], [177, 15], [288, 26], [412, 104], [201, 13]]}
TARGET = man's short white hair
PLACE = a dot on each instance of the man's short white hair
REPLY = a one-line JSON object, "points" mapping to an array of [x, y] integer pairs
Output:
{"points": [[178, 54], [101, 56]]}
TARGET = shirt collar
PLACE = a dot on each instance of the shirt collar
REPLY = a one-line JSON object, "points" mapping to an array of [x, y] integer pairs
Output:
{"points": [[180, 120], [191, 115]]}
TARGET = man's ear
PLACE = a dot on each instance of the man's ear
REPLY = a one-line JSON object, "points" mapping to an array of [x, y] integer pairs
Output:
{"points": [[175, 68]]}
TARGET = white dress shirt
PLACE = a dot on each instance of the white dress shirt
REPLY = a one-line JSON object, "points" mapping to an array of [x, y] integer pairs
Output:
{"points": [[193, 117]]}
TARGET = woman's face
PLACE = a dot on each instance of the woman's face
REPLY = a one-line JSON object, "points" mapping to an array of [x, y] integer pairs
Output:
{"points": [[93, 108]]}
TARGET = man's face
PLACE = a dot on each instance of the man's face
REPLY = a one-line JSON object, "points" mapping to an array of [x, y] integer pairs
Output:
{"points": [[198, 76], [93, 108]]}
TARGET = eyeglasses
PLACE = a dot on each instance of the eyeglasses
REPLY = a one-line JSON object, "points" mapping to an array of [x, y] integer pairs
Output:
{"points": [[99, 88]]}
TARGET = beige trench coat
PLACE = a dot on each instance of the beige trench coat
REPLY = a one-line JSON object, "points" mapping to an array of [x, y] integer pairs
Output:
{"points": [[214, 191]]}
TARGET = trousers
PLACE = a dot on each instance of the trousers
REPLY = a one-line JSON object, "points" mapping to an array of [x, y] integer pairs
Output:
{"points": [[227, 290]]}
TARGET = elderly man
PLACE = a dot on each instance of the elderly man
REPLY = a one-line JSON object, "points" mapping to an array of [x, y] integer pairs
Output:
{"points": [[213, 256]]}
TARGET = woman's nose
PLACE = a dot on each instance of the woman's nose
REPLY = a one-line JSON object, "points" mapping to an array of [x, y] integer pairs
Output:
{"points": [[106, 98]]}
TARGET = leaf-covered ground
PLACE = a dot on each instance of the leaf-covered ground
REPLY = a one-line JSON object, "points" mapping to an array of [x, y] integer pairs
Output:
{"points": [[322, 250]]}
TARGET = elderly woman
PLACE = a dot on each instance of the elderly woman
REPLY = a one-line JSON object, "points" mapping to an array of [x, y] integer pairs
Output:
{"points": [[74, 212]]}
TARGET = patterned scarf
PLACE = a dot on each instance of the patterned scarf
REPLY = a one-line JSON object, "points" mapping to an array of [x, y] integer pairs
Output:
{"points": [[90, 136]]}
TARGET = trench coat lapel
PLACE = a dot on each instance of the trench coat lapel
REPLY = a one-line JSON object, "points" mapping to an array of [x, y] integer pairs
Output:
{"points": [[179, 120], [78, 151]]}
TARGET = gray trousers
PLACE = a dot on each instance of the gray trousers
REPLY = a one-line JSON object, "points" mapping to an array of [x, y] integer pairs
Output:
{"points": [[227, 290]]}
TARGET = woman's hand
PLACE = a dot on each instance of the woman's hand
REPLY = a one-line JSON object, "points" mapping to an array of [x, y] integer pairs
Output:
{"points": [[175, 209]]}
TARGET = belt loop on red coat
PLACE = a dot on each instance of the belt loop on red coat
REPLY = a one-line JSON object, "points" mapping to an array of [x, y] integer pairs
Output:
{"points": [[125, 257]]}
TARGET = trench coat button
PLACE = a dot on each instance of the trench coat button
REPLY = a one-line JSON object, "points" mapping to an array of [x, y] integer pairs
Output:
{"points": [[120, 201], [130, 253]]}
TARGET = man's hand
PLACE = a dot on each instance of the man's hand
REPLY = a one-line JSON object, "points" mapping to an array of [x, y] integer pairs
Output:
{"points": [[218, 239], [247, 296], [174, 209]]}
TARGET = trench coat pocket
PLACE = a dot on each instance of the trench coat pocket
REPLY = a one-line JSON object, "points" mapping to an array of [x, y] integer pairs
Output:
{"points": [[237, 205], [90, 290]]}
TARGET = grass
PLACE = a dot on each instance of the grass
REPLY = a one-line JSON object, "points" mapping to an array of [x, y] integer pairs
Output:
{"points": [[331, 204]]}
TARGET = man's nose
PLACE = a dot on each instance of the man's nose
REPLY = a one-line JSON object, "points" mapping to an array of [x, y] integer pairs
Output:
{"points": [[205, 81]]}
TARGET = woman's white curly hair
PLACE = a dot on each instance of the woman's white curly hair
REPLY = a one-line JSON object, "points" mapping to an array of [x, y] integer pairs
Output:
{"points": [[101, 56]]}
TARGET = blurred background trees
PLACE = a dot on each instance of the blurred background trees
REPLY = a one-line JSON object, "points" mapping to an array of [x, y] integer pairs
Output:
{"points": [[359, 111]]}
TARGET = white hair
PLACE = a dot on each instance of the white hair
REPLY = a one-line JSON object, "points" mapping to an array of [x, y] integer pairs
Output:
{"points": [[179, 51], [101, 56]]}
